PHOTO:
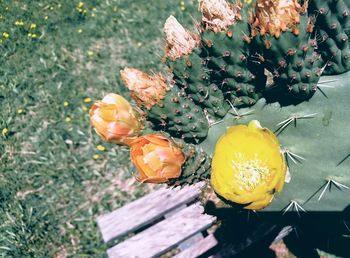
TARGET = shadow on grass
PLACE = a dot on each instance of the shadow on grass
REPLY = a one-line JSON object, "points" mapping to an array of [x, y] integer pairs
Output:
{"points": [[247, 234]]}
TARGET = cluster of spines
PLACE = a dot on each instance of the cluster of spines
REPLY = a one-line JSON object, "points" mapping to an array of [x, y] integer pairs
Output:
{"points": [[332, 23]]}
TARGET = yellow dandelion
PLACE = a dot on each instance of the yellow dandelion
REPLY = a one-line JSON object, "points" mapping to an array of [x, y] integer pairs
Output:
{"points": [[67, 119], [101, 147], [80, 30], [96, 156], [32, 26], [90, 53], [19, 23], [66, 103], [87, 100], [4, 131], [5, 35], [20, 111], [46, 17]]}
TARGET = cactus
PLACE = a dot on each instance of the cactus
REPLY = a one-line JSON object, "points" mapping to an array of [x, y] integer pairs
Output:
{"points": [[226, 39], [220, 71], [283, 36], [183, 56], [332, 23]]}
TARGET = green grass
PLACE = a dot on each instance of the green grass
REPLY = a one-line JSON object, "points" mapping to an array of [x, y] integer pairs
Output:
{"points": [[54, 182]]}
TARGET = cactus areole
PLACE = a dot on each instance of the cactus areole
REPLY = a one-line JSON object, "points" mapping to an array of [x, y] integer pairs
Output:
{"points": [[245, 62]]}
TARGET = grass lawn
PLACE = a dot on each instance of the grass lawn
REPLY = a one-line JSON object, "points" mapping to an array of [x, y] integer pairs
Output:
{"points": [[56, 59]]}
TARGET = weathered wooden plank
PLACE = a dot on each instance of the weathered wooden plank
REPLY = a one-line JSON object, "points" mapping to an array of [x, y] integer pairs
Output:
{"points": [[143, 211], [164, 235], [199, 248]]}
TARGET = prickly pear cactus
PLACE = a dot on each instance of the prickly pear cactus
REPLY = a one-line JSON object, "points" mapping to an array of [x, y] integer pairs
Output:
{"points": [[260, 61]]}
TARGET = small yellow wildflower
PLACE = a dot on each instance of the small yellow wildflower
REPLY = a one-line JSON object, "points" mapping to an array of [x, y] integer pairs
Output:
{"points": [[182, 3], [67, 119], [183, 8], [59, 5], [90, 53], [87, 100], [93, 15], [66, 103], [32, 26], [46, 17], [84, 108], [101, 147], [80, 30], [20, 111], [51, 8], [5, 35], [96, 156], [34, 36], [19, 23], [4, 131], [81, 4], [94, 9], [139, 44], [30, 34]]}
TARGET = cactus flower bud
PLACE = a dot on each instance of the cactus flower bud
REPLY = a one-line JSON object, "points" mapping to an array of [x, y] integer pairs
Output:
{"points": [[156, 158], [145, 89], [218, 15], [179, 41], [276, 16], [115, 120], [248, 166]]}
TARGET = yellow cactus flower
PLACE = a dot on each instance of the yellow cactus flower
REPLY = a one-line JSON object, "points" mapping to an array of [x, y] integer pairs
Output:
{"points": [[145, 89], [115, 120], [156, 158], [248, 166]]}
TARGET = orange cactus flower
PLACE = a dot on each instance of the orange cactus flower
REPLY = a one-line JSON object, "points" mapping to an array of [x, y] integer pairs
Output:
{"points": [[115, 120], [277, 16], [145, 89], [157, 158]]}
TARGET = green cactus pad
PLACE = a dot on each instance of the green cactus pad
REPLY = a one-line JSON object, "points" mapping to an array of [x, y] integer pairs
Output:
{"points": [[231, 66], [319, 134], [332, 22], [295, 66], [196, 167], [179, 116], [191, 74]]}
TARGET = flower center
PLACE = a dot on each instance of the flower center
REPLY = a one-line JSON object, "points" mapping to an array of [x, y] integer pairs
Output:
{"points": [[249, 173]]}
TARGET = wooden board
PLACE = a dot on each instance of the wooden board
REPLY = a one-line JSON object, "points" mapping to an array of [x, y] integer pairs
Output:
{"points": [[145, 210], [199, 248], [164, 235]]}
